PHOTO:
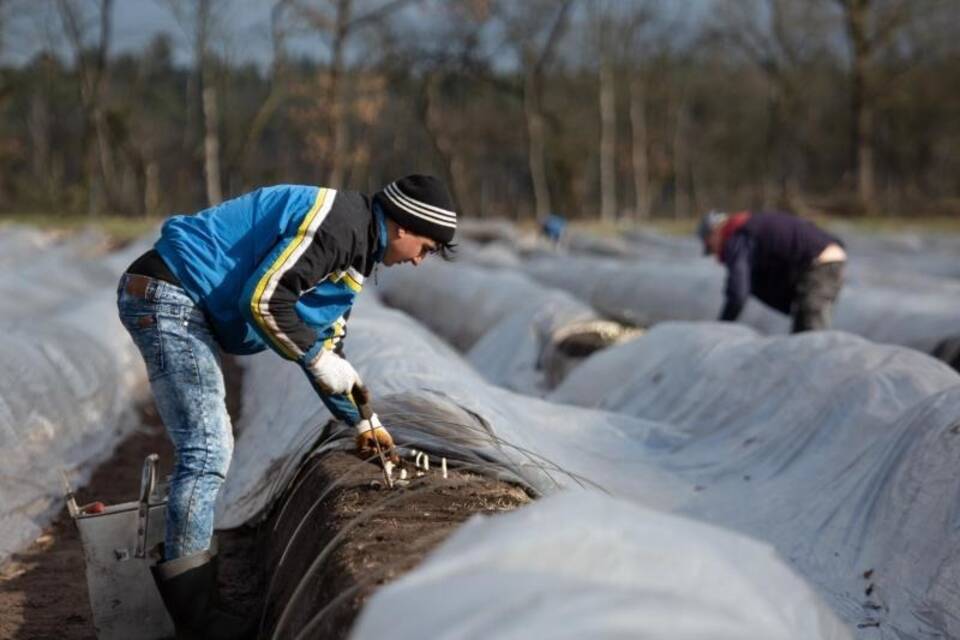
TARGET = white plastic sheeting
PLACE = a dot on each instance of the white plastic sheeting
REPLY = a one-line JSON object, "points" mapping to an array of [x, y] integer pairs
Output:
{"points": [[550, 446], [905, 252], [902, 289], [648, 291], [18, 243], [403, 364], [510, 322], [840, 452], [68, 377], [641, 292], [907, 259], [42, 277], [808, 442], [583, 565]]}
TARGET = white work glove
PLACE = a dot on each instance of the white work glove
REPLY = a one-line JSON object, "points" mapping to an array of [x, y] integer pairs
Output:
{"points": [[333, 374], [372, 430], [366, 425]]}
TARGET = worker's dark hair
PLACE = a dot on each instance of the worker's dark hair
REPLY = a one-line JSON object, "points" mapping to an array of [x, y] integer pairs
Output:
{"points": [[445, 250]]}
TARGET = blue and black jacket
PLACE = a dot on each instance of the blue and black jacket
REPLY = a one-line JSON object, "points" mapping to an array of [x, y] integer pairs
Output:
{"points": [[279, 267]]}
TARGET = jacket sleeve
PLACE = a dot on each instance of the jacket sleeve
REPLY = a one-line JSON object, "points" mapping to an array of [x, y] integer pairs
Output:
{"points": [[737, 255], [341, 406]]}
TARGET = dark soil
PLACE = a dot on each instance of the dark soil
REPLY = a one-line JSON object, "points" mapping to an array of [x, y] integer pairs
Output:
{"points": [[359, 536], [43, 590]]}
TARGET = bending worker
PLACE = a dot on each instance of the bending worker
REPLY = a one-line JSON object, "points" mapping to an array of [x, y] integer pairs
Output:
{"points": [[279, 267], [787, 262]]}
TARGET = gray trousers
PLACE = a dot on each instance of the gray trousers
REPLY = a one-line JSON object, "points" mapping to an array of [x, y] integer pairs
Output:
{"points": [[817, 290]]}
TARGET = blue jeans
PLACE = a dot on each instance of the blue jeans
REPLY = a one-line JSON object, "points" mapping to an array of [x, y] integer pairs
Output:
{"points": [[183, 365]]}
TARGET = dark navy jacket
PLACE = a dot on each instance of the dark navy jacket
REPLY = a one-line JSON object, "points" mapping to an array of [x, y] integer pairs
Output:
{"points": [[766, 257]]}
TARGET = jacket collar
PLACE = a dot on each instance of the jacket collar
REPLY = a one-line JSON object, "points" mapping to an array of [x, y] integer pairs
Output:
{"points": [[380, 224], [729, 228]]}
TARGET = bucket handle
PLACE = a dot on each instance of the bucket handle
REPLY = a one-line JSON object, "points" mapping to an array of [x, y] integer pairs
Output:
{"points": [[148, 482]]}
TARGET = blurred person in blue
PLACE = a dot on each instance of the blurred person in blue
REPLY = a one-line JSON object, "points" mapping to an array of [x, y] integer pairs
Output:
{"points": [[786, 262], [553, 228], [277, 268]]}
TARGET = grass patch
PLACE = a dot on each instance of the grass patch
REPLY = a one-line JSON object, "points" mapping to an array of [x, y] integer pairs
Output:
{"points": [[867, 225], [875, 225]]}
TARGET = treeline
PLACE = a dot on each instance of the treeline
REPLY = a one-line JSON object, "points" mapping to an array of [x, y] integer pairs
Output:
{"points": [[590, 108]]}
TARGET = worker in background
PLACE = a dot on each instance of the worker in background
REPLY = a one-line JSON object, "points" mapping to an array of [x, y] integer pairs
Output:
{"points": [[279, 267], [553, 228], [787, 262]]}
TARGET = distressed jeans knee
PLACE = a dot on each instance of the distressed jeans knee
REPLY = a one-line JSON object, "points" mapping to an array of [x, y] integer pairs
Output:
{"points": [[183, 365]]}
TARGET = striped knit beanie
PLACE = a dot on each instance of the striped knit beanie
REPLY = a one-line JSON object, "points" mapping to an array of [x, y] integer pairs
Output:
{"points": [[420, 204]]}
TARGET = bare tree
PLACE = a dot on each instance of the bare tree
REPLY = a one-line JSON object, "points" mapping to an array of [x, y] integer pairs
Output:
{"points": [[639, 158], [444, 144], [608, 142], [780, 38], [535, 29], [338, 21], [681, 158], [279, 88], [870, 27], [93, 71], [199, 19], [602, 27], [855, 16], [457, 56], [4, 4], [635, 53], [613, 30]]}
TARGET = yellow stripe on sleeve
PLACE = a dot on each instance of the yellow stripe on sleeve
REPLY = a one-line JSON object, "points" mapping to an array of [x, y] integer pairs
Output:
{"points": [[351, 282], [259, 310]]}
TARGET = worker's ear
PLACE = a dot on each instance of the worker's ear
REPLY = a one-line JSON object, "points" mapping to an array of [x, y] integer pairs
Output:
{"points": [[393, 230]]}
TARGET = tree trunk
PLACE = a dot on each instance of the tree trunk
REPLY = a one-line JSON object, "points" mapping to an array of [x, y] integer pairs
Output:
{"points": [[240, 163], [861, 107], [681, 190], [104, 156], [104, 152], [211, 146], [93, 80], [38, 126], [151, 188], [608, 144], [639, 157], [338, 111], [210, 111], [534, 65], [772, 170], [443, 146], [535, 138], [863, 132]]}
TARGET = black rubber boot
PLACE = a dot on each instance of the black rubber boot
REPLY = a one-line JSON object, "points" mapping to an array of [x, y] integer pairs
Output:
{"points": [[188, 586]]}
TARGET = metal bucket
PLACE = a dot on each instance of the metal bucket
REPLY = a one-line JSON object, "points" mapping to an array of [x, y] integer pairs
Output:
{"points": [[116, 542]]}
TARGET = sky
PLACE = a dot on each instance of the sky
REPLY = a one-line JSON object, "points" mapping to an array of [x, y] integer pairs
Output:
{"points": [[137, 22], [246, 24]]}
